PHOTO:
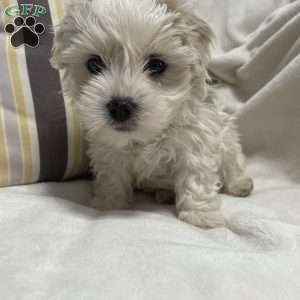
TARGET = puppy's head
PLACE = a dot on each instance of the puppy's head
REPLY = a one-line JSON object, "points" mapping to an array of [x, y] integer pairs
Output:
{"points": [[130, 65]]}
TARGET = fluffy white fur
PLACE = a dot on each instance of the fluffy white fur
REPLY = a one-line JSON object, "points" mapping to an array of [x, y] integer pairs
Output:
{"points": [[181, 143]]}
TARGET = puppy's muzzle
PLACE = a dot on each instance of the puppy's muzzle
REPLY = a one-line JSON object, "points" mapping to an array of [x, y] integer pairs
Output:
{"points": [[121, 109]]}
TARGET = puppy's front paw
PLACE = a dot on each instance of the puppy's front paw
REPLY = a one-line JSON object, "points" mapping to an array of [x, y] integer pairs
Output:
{"points": [[202, 219], [240, 186], [103, 204]]}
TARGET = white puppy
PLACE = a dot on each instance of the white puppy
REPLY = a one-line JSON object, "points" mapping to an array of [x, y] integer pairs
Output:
{"points": [[136, 70]]}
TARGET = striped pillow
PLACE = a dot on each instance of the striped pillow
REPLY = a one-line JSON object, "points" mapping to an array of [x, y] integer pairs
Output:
{"points": [[40, 135]]}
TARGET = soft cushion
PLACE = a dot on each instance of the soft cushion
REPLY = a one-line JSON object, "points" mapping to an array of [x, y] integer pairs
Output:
{"points": [[40, 134]]}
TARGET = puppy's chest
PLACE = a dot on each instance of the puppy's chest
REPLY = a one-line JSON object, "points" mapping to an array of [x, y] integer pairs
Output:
{"points": [[154, 165]]}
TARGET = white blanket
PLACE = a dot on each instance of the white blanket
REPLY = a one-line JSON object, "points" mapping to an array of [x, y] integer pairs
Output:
{"points": [[53, 247]]}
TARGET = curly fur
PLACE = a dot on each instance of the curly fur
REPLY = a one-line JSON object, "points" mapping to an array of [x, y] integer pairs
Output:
{"points": [[180, 143]]}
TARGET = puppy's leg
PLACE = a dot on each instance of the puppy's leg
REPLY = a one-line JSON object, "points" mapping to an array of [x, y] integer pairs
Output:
{"points": [[236, 183], [112, 186], [111, 193], [196, 197]]}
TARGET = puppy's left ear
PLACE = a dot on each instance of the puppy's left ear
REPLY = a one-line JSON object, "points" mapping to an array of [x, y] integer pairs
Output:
{"points": [[196, 31], [200, 36]]}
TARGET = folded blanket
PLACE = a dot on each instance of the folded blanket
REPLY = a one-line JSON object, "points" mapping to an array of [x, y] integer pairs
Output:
{"points": [[263, 77]]}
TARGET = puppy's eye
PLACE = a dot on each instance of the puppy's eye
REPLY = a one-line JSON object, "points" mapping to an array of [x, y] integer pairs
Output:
{"points": [[95, 64], [156, 66]]}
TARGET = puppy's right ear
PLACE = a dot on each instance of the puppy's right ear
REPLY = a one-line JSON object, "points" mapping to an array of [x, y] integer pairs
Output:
{"points": [[62, 40]]}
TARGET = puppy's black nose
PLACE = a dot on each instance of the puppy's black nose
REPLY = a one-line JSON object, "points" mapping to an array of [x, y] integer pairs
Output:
{"points": [[121, 109]]}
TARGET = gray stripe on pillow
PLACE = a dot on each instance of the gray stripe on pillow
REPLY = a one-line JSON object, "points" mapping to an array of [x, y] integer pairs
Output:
{"points": [[49, 104]]}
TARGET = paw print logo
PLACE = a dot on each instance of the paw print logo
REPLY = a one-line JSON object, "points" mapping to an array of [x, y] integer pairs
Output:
{"points": [[25, 32]]}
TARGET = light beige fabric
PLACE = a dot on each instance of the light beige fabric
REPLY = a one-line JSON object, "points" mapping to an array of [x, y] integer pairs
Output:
{"points": [[263, 77]]}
